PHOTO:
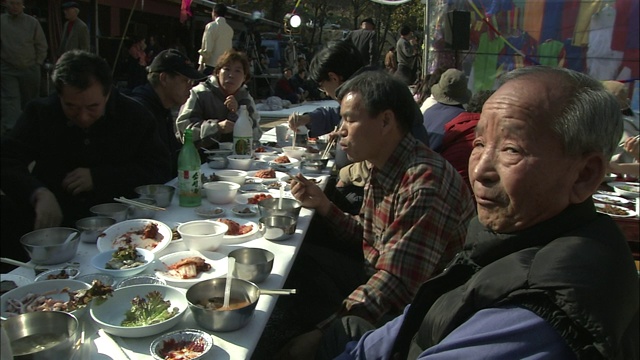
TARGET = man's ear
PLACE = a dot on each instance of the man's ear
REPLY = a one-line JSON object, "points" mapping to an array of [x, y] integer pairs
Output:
{"points": [[592, 169], [334, 77], [388, 119]]}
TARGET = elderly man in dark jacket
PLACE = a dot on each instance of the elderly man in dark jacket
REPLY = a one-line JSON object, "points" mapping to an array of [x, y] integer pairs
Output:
{"points": [[542, 274], [366, 41]]}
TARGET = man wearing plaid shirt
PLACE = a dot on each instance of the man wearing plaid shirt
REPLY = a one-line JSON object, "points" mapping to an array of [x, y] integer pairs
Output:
{"points": [[416, 207]]}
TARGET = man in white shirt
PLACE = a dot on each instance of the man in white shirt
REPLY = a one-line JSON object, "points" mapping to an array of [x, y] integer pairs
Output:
{"points": [[216, 39]]}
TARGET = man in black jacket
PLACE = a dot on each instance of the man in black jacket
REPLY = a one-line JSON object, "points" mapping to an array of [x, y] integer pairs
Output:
{"points": [[171, 76], [86, 144], [366, 41]]}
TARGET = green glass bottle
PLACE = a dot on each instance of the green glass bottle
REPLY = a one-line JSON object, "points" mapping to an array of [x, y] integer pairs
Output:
{"points": [[189, 173]]}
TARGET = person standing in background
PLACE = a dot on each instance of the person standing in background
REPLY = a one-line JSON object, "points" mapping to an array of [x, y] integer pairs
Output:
{"points": [[216, 39], [366, 41], [75, 33], [406, 56], [23, 49], [390, 62]]}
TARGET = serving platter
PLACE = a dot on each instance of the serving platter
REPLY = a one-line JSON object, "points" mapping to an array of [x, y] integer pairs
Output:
{"points": [[238, 239], [610, 199], [131, 230], [217, 261], [601, 208]]}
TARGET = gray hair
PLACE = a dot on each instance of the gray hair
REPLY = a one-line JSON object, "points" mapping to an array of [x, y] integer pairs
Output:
{"points": [[380, 92], [590, 120]]}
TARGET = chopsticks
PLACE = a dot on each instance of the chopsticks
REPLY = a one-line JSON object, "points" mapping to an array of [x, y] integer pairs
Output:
{"points": [[330, 144], [138, 204], [16, 263]]}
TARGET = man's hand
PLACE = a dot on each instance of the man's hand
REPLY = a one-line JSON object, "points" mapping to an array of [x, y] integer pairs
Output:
{"points": [[226, 126], [295, 120], [310, 195], [47, 209], [302, 347], [231, 103], [77, 181], [201, 66]]}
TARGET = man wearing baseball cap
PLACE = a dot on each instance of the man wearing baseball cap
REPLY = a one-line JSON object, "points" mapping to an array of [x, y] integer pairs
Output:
{"points": [[170, 78], [75, 33]]}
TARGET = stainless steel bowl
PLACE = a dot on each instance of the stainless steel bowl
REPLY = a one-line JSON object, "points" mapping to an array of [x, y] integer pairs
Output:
{"points": [[270, 207], [162, 194], [91, 227], [312, 166], [42, 335], [277, 228], [185, 336], [252, 264], [46, 246], [243, 301], [116, 211], [136, 212]]}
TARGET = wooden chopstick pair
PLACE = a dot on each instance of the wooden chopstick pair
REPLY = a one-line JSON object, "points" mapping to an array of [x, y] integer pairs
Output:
{"points": [[330, 144], [138, 204]]}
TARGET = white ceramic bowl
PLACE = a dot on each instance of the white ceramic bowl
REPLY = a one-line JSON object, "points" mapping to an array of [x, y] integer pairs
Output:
{"points": [[110, 314], [114, 235], [202, 235], [627, 189], [218, 262], [99, 262], [185, 336], [68, 273], [221, 192], [42, 287], [295, 152], [240, 162], [236, 176]]}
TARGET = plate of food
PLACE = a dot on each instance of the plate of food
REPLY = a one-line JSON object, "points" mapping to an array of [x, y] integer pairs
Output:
{"points": [[626, 189], [148, 234], [610, 199], [244, 210], [614, 210], [140, 310], [283, 162], [239, 231], [265, 150], [267, 175], [252, 198], [207, 211], [66, 295], [185, 268]]}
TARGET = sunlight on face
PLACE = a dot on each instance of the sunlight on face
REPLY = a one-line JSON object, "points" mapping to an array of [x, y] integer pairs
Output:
{"points": [[231, 77], [83, 107], [518, 169]]}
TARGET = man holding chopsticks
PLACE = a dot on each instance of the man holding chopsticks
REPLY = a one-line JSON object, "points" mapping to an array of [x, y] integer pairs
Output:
{"points": [[415, 211]]}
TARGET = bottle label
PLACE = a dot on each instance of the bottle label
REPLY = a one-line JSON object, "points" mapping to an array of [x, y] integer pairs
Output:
{"points": [[242, 145], [189, 187]]}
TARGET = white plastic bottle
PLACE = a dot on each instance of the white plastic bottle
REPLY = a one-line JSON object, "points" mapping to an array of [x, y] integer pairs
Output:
{"points": [[242, 133]]}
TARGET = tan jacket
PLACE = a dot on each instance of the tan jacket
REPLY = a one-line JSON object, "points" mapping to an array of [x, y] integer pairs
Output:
{"points": [[22, 40]]}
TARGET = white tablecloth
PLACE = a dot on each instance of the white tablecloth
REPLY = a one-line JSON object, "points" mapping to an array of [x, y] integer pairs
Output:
{"points": [[238, 344], [300, 108]]}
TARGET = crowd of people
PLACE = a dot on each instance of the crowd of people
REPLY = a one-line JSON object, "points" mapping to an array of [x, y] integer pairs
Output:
{"points": [[456, 225]]}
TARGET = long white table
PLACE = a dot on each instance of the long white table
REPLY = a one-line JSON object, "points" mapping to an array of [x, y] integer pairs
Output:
{"points": [[304, 107], [238, 344]]}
